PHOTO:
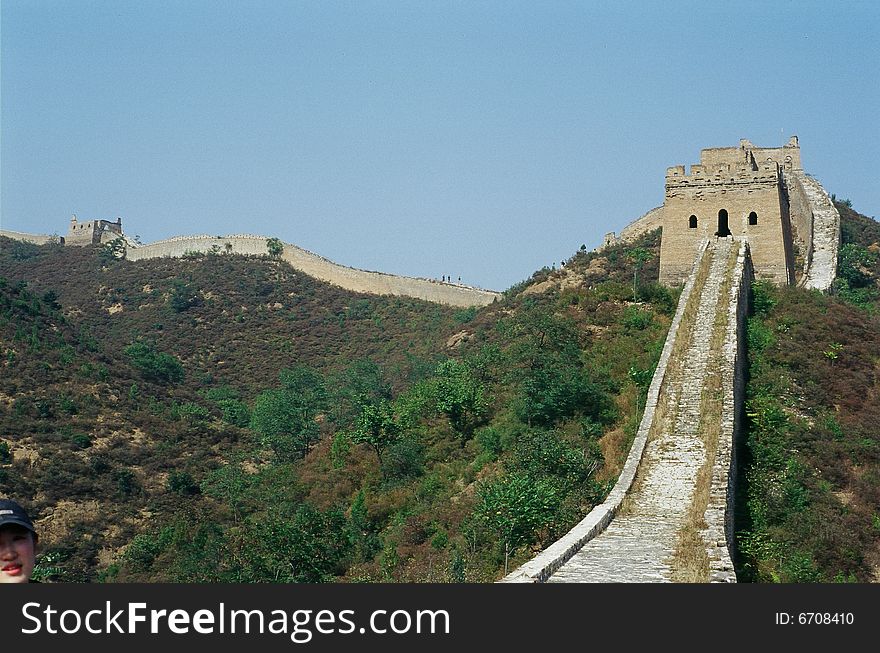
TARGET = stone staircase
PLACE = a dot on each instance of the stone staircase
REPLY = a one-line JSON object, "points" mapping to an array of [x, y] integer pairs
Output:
{"points": [[639, 543]]}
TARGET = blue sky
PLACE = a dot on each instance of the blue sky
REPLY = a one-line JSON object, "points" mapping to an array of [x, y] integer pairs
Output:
{"points": [[475, 139]]}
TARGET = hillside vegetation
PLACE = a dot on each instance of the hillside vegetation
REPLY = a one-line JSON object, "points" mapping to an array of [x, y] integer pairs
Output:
{"points": [[810, 504], [224, 418]]}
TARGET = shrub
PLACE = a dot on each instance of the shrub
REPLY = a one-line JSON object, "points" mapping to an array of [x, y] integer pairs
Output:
{"points": [[659, 295], [636, 319], [182, 483], [126, 483], [235, 412], [183, 296], [465, 315], [193, 413], [21, 250], [154, 365], [81, 440]]}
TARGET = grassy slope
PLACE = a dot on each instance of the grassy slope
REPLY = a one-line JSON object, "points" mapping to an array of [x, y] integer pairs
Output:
{"points": [[140, 479], [94, 441]]}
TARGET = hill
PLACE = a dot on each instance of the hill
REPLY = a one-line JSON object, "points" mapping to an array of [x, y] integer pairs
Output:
{"points": [[224, 418]]}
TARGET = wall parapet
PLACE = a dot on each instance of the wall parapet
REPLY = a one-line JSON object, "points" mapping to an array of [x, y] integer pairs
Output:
{"points": [[719, 534], [542, 566]]}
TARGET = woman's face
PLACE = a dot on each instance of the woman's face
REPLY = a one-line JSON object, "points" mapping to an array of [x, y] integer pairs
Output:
{"points": [[17, 554]]}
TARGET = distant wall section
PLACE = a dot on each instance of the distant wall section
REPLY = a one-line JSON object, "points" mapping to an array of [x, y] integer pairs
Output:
{"points": [[376, 283], [36, 239], [650, 221]]}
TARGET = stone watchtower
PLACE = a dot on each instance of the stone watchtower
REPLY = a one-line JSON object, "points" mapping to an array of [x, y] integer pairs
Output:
{"points": [[733, 191], [92, 232]]}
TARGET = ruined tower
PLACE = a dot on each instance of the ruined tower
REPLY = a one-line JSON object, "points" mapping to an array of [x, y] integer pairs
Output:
{"points": [[92, 232]]}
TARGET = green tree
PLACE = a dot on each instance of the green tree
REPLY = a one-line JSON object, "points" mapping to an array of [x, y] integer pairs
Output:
{"points": [[285, 418], [377, 427], [275, 247], [854, 265], [537, 331], [361, 534], [558, 388], [229, 484], [235, 412], [642, 380], [403, 459], [461, 397], [112, 251], [639, 256], [5, 454], [515, 508], [361, 382], [183, 296], [308, 548]]}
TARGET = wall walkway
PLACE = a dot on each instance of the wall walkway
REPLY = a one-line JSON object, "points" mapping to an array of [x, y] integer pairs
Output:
{"points": [[633, 536]]}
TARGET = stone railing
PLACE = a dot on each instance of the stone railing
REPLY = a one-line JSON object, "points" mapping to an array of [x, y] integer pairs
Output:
{"points": [[542, 566]]}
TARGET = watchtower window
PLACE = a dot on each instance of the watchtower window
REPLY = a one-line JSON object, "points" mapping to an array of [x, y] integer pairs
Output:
{"points": [[753, 218], [723, 228], [692, 222]]}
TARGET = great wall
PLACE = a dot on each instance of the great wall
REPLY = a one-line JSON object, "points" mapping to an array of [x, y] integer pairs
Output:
{"points": [[376, 283], [743, 213], [364, 281], [670, 515]]}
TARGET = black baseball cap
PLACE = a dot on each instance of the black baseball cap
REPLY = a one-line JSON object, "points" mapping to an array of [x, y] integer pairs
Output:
{"points": [[12, 513]]}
